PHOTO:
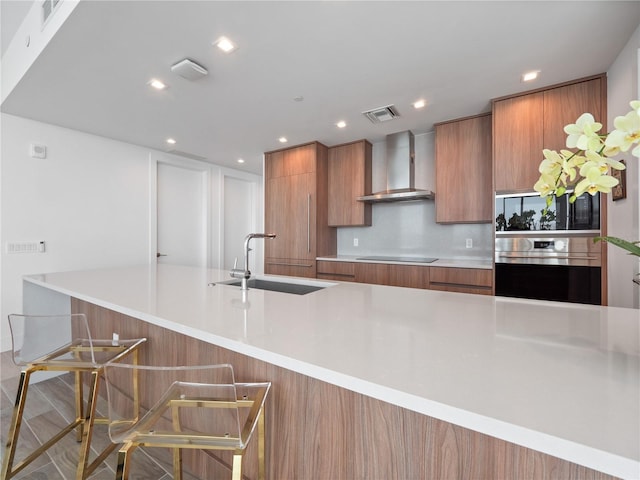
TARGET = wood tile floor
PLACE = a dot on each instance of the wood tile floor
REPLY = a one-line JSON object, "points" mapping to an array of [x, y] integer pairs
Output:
{"points": [[50, 406]]}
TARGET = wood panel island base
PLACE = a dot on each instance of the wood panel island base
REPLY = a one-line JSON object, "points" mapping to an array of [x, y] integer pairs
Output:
{"points": [[318, 431], [383, 382]]}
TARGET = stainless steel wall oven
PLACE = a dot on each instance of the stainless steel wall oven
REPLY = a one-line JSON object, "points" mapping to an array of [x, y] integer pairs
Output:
{"points": [[562, 268]]}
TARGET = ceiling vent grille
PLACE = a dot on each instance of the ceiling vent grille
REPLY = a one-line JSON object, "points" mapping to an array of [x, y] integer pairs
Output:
{"points": [[192, 156], [382, 114]]}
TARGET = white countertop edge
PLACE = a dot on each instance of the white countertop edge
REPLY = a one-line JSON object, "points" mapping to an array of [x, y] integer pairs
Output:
{"points": [[570, 451], [441, 262]]}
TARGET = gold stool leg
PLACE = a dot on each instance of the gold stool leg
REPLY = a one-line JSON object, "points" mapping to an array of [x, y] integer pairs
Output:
{"points": [[87, 429], [79, 405], [236, 474], [261, 434], [177, 464], [124, 457], [16, 422]]}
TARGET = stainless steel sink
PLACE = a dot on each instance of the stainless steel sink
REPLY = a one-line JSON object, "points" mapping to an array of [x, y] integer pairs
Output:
{"points": [[283, 287]]}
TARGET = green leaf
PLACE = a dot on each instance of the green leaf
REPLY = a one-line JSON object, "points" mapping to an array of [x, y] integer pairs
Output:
{"points": [[632, 247]]}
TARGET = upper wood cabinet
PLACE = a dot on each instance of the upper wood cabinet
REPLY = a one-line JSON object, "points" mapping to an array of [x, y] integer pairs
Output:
{"points": [[524, 125], [295, 210], [463, 170], [349, 178]]}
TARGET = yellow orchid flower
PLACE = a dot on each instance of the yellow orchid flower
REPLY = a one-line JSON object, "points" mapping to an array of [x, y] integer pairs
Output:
{"points": [[546, 185], [583, 134], [595, 182], [552, 163], [627, 132], [603, 164]]}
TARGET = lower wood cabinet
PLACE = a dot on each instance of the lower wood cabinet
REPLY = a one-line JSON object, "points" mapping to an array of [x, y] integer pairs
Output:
{"points": [[462, 280], [290, 267], [411, 276], [340, 271]]}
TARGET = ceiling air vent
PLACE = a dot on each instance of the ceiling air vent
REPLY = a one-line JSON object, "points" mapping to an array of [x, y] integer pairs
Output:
{"points": [[192, 156], [382, 114]]}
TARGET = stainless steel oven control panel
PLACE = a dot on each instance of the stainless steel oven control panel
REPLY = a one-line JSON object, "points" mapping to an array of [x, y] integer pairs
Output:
{"points": [[575, 251]]}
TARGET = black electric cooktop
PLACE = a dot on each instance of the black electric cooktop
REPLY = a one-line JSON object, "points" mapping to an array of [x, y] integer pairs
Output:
{"points": [[400, 259]]}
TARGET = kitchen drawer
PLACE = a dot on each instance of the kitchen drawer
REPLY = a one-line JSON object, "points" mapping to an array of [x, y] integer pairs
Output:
{"points": [[290, 267], [336, 268], [461, 276], [412, 276]]}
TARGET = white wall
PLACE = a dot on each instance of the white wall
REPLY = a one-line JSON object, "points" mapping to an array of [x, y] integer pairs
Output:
{"points": [[89, 200], [623, 215]]}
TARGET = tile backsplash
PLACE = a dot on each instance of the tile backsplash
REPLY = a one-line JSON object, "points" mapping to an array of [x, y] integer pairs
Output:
{"points": [[410, 229]]}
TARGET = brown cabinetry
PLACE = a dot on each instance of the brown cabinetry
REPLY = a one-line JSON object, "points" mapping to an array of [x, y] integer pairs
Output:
{"points": [[295, 210], [524, 125], [340, 271], [349, 178], [463, 280], [411, 276], [463, 170]]}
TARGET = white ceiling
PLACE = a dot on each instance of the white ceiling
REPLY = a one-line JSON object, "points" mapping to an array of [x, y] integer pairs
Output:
{"points": [[342, 57]]}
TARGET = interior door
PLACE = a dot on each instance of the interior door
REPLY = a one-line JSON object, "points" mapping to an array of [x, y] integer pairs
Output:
{"points": [[238, 222], [181, 215]]}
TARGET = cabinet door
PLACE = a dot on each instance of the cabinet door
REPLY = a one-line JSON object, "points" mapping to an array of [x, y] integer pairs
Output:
{"points": [[463, 171], [563, 105], [293, 161], [290, 214], [517, 142], [290, 267], [377, 273], [463, 280], [411, 276], [349, 169]]}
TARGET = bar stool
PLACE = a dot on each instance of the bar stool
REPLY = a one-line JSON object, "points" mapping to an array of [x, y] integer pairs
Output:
{"points": [[61, 343], [197, 407]]}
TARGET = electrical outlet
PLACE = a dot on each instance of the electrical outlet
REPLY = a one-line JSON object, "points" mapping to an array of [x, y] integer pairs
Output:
{"points": [[469, 243], [355, 242]]}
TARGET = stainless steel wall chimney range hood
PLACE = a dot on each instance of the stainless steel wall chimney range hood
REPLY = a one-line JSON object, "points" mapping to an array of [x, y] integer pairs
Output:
{"points": [[400, 161]]}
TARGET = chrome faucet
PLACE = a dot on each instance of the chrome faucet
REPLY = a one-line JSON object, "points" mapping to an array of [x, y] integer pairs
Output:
{"points": [[245, 275]]}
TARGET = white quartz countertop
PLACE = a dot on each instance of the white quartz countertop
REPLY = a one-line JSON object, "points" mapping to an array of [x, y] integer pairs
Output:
{"points": [[484, 264], [559, 378]]}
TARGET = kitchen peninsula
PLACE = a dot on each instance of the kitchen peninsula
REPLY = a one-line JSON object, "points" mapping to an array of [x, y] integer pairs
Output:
{"points": [[384, 382]]}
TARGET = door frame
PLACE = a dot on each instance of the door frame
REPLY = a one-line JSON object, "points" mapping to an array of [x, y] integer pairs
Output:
{"points": [[157, 158]]}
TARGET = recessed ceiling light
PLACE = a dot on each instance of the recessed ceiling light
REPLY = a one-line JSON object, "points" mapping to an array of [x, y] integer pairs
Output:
{"points": [[157, 84], [282, 139], [419, 104], [341, 124], [240, 160], [226, 45], [527, 77], [172, 141], [299, 98]]}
